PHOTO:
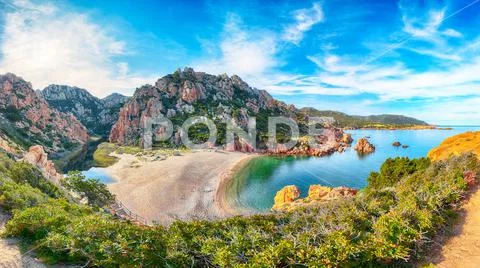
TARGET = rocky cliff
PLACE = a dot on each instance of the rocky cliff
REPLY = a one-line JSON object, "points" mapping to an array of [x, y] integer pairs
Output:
{"points": [[98, 115], [38, 158], [187, 93], [26, 119]]}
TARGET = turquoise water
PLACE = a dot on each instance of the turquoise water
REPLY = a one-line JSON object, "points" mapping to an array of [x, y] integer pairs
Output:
{"points": [[98, 173], [256, 185]]}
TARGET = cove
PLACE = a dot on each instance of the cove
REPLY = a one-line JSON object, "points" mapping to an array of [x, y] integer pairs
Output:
{"points": [[255, 186]]}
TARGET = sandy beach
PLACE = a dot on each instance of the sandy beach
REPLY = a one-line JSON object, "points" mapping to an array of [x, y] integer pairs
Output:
{"points": [[188, 186]]}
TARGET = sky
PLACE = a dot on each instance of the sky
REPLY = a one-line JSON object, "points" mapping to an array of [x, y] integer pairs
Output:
{"points": [[417, 58]]}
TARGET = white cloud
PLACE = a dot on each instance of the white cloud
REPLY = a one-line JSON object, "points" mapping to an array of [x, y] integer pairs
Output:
{"points": [[243, 52], [46, 45], [305, 19], [452, 33]]}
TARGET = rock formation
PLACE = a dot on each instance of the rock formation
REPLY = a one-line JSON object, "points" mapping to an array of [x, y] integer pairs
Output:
{"points": [[286, 195], [364, 146], [397, 144], [288, 198], [37, 157], [27, 119], [98, 115], [188, 93], [456, 145], [331, 140]]}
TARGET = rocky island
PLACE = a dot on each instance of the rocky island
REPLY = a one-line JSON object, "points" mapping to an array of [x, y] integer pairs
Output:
{"points": [[363, 146]]}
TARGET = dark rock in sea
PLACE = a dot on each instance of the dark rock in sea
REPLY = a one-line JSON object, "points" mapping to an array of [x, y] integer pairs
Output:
{"points": [[405, 146], [397, 144]]}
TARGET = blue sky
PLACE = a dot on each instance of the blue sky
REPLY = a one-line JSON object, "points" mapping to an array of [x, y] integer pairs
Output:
{"points": [[418, 58]]}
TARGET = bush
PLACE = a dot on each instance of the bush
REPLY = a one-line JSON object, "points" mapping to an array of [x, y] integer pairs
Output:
{"points": [[388, 223], [22, 172]]}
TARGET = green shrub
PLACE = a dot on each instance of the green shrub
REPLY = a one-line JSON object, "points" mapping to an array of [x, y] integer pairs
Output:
{"points": [[22, 172], [388, 223]]}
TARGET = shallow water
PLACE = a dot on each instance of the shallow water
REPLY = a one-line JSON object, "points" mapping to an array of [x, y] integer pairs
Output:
{"points": [[256, 185], [100, 174]]}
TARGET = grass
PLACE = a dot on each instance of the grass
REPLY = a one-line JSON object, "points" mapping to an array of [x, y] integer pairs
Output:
{"points": [[103, 158]]}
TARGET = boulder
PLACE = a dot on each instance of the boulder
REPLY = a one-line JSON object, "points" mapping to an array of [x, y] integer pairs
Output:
{"points": [[397, 144], [405, 146], [285, 196], [347, 138], [364, 146]]}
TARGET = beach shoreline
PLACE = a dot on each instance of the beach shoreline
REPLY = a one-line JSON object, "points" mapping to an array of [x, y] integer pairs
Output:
{"points": [[189, 186], [223, 197]]}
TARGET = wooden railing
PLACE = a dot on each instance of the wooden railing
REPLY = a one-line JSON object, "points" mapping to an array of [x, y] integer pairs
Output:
{"points": [[121, 211]]}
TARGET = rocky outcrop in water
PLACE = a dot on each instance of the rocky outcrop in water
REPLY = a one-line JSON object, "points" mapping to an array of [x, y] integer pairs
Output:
{"points": [[27, 119], [364, 146], [98, 115], [38, 158], [397, 144], [288, 198], [331, 140]]}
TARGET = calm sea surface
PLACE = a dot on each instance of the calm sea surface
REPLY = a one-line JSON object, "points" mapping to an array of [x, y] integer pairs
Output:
{"points": [[256, 185]]}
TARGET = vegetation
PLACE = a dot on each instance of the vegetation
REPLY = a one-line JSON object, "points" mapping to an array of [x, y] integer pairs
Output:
{"points": [[388, 223], [465, 142], [385, 121], [102, 157], [93, 190]]}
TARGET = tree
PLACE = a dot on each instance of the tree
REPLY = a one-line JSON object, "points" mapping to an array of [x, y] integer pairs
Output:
{"points": [[96, 192]]}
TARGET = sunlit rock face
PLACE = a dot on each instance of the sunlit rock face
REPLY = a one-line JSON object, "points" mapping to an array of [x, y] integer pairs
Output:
{"points": [[188, 93], [37, 157], [288, 198], [364, 146], [220, 98]]}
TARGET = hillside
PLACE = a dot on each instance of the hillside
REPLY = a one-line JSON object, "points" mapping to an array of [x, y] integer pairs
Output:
{"points": [[26, 119], [98, 115], [456, 145], [187, 93], [375, 121]]}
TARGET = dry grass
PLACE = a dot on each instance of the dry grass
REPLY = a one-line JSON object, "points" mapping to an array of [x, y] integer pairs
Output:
{"points": [[456, 145]]}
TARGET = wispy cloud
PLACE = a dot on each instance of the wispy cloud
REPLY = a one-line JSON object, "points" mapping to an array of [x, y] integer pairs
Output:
{"points": [[47, 45], [305, 19]]}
